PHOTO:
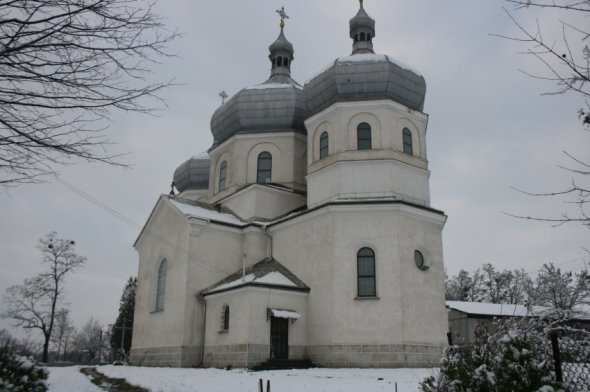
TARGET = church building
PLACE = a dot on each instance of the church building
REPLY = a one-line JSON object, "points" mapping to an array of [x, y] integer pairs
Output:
{"points": [[306, 231]]}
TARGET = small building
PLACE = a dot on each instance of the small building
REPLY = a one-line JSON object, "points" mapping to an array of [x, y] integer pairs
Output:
{"points": [[466, 317]]}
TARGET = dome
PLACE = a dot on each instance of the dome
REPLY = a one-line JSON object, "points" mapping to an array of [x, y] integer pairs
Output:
{"points": [[268, 107], [193, 174], [276, 105], [364, 75]]}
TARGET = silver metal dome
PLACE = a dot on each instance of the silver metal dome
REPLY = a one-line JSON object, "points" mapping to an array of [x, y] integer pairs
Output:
{"points": [[193, 174], [364, 75], [276, 105]]}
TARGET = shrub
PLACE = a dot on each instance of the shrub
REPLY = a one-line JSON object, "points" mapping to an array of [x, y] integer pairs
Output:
{"points": [[516, 358], [20, 374]]}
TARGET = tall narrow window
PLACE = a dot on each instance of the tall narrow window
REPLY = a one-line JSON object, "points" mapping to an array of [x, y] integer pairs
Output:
{"points": [[363, 136], [365, 259], [225, 317], [408, 148], [263, 173], [161, 286], [324, 145], [222, 175]]}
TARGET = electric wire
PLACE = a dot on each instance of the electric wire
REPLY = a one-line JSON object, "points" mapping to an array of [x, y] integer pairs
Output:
{"points": [[136, 225]]}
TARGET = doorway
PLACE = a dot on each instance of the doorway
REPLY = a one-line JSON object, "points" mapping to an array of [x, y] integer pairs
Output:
{"points": [[279, 338]]}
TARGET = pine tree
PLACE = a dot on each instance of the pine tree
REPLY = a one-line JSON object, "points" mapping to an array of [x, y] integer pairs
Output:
{"points": [[122, 331]]}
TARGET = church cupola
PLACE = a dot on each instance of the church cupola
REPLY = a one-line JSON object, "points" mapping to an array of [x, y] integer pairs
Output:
{"points": [[281, 54], [362, 31]]}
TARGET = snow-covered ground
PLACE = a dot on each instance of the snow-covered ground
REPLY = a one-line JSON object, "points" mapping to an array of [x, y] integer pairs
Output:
{"points": [[215, 380], [69, 379]]}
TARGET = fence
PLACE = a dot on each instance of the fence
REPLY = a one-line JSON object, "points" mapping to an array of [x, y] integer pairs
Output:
{"points": [[571, 356], [570, 348]]}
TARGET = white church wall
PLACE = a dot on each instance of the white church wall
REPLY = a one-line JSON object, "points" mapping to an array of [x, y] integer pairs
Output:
{"points": [[385, 178], [344, 330], [384, 170], [246, 343], [263, 202], [157, 335], [241, 152]]}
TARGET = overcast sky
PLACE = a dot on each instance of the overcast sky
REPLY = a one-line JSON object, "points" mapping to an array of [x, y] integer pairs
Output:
{"points": [[489, 130]]}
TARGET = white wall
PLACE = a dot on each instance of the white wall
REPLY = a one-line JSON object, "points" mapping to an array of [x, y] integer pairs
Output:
{"points": [[321, 248]]}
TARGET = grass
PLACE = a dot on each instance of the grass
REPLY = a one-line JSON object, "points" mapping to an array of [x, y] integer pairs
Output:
{"points": [[110, 384]]}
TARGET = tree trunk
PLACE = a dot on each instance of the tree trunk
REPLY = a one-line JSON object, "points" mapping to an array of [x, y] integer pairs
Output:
{"points": [[46, 349]]}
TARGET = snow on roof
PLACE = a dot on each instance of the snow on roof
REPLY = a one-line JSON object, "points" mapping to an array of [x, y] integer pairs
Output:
{"points": [[275, 278], [487, 309], [264, 86], [196, 211], [288, 314], [366, 57]]}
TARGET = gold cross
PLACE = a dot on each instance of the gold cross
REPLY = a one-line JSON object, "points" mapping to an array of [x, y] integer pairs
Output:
{"points": [[283, 15]]}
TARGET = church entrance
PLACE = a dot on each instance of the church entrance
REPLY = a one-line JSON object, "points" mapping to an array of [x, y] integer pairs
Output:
{"points": [[279, 338]]}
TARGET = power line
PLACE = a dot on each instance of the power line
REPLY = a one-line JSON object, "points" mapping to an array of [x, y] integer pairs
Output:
{"points": [[133, 224]]}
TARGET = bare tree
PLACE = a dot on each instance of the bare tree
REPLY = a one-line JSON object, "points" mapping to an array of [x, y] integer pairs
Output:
{"points": [[90, 340], [65, 65], [561, 289], [34, 304], [63, 331], [566, 60], [489, 285]]}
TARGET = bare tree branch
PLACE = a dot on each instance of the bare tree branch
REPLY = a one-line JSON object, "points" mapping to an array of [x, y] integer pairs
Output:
{"points": [[65, 65]]}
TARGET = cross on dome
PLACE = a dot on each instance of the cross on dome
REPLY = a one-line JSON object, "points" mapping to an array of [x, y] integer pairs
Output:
{"points": [[283, 15]]}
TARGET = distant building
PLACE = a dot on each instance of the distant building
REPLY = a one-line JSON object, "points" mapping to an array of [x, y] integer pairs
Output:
{"points": [[466, 317], [306, 232]]}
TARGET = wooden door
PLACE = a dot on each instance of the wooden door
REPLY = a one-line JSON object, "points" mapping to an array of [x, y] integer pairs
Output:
{"points": [[279, 338]]}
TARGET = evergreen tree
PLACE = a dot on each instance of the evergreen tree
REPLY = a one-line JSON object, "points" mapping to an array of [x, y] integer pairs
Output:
{"points": [[122, 331]]}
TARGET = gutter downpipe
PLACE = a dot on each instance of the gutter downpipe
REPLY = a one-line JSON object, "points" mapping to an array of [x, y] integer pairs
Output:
{"points": [[202, 301], [269, 246]]}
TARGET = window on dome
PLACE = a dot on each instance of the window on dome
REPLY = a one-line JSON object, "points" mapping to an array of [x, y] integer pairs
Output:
{"points": [[222, 175], [363, 136], [356, 38], [362, 36], [407, 135], [365, 260], [368, 37], [161, 286], [324, 145], [264, 170]]}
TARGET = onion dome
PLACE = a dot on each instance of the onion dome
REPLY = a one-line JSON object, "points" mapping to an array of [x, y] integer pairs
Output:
{"points": [[364, 75], [276, 105], [362, 31], [193, 174]]}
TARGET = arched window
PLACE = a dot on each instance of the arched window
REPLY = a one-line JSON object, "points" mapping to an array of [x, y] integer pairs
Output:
{"points": [[362, 36], [264, 170], [407, 134], [161, 286], [222, 175], [365, 260], [225, 317], [363, 136], [324, 145]]}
